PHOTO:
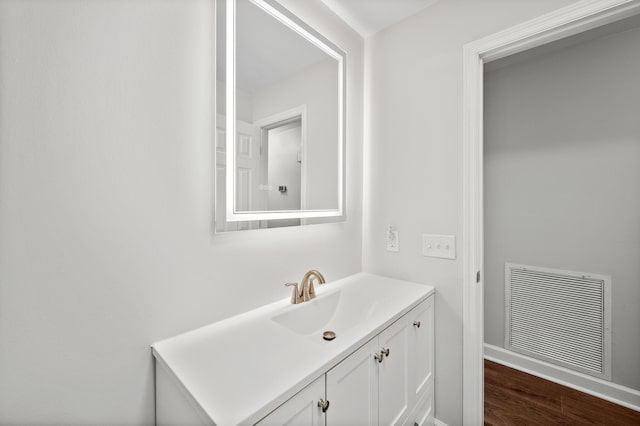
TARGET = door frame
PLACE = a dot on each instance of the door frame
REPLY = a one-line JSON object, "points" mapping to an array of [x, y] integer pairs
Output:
{"points": [[565, 22], [290, 114]]}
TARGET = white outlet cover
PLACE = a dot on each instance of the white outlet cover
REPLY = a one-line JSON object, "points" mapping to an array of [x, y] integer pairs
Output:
{"points": [[441, 246], [393, 244]]}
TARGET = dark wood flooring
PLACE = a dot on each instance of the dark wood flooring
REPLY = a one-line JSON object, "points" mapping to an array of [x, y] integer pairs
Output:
{"points": [[512, 397]]}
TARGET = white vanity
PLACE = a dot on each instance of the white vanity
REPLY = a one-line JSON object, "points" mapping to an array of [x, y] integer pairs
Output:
{"points": [[271, 366]]}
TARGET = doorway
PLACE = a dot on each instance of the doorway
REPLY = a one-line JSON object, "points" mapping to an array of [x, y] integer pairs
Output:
{"points": [[555, 26], [561, 163]]}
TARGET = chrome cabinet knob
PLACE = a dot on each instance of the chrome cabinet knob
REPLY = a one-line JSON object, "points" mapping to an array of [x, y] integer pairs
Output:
{"points": [[379, 357], [324, 405], [416, 323], [385, 352]]}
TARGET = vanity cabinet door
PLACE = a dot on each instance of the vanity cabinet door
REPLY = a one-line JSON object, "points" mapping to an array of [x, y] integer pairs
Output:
{"points": [[393, 393], [421, 348], [422, 414], [352, 388], [301, 409]]}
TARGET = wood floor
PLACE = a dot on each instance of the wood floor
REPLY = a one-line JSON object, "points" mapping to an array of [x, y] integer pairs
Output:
{"points": [[512, 397]]}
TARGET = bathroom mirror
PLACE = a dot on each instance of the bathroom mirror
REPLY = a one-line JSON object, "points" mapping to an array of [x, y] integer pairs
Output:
{"points": [[280, 124]]}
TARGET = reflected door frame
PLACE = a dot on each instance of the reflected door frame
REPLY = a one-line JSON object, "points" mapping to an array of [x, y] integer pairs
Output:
{"points": [[264, 124]]}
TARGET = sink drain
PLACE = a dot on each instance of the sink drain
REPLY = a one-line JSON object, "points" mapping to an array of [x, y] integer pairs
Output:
{"points": [[328, 335]]}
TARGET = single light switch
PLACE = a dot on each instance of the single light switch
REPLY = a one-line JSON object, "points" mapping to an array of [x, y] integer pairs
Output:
{"points": [[443, 246]]}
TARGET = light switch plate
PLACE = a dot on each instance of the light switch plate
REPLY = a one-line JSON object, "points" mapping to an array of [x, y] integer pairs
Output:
{"points": [[443, 246]]}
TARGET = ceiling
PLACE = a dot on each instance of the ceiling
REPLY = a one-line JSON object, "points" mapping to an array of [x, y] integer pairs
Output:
{"points": [[368, 17]]}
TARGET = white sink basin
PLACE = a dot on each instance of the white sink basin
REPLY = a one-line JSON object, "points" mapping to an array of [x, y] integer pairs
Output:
{"points": [[336, 311], [309, 317]]}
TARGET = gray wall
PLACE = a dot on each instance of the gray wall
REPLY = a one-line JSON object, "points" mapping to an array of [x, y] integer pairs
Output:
{"points": [[106, 202], [413, 157], [562, 178]]}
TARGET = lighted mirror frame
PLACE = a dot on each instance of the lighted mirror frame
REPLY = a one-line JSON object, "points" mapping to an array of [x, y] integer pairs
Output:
{"points": [[283, 15]]}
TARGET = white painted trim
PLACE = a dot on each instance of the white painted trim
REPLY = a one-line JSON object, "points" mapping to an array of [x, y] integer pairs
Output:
{"points": [[270, 121], [573, 19], [472, 292], [565, 22], [609, 391], [437, 422]]}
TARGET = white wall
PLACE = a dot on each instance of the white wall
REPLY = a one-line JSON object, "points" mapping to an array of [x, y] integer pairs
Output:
{"points": [[106, 202], [413, 156], [562, 178]]}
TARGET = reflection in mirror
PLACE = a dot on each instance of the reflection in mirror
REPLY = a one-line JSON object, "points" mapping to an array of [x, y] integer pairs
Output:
{"points": [[279, 140]]}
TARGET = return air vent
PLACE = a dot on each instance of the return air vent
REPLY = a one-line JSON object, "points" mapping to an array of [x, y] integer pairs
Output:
{"points": [[561, 317]]}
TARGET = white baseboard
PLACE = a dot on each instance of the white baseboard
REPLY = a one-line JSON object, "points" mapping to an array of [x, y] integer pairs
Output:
{"points": [[437, 422], [615, 393]]}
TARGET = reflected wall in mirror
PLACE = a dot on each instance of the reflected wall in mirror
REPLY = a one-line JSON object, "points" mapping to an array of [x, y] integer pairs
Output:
{"points": [[280, 122]]}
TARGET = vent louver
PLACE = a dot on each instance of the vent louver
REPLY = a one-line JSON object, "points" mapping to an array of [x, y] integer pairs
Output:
{"points": [[562, 317]]}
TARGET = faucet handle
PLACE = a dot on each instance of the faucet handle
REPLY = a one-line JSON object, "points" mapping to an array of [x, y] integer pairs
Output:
{"points": [[294, 294]]}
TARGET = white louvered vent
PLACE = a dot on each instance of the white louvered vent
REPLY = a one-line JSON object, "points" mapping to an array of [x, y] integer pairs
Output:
{"points": [[561, 317]]}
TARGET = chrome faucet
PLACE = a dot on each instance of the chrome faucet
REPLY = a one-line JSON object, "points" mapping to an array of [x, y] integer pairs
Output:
{"points": [[307, 282], [305, 291]]}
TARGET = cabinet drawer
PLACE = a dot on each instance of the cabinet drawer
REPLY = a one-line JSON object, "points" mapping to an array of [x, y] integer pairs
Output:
{"points": [[422, 415]]}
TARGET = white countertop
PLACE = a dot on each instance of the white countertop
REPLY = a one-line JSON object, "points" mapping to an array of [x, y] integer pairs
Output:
{"points": [[240, 369]]}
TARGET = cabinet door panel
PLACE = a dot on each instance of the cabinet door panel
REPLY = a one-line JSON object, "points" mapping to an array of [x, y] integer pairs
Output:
{"points": [[301, 409], [421, 347], [394, 403], [352, 389], [422, 415]]}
